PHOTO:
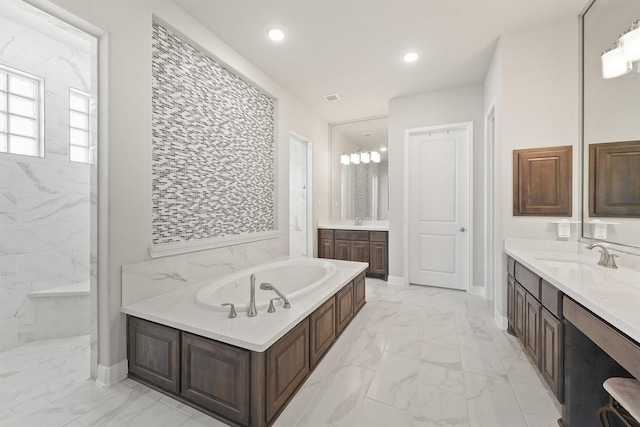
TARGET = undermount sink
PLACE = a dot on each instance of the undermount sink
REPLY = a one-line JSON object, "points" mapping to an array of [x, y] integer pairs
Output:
{"points": [[571, 265]]}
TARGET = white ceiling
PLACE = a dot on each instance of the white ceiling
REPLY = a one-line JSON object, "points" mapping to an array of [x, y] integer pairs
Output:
{"points": [[355, 47]]}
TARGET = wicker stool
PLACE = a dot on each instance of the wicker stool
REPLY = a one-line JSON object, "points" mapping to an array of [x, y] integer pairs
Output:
{"points": [[624, 401]]}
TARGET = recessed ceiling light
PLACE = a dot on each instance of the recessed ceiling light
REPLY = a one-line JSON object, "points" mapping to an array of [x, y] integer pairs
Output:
{"points": [[332, 97], [383, 149], [411, 57], [275, 34]]}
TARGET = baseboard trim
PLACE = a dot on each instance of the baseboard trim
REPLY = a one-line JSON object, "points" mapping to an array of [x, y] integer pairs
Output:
{"points": [[479, 290], [501, 321], [396, 281], [109, 375]]}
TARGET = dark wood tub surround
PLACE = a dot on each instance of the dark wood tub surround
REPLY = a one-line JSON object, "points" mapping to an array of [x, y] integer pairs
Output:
{"points": [[235, 385], [574, 349]]}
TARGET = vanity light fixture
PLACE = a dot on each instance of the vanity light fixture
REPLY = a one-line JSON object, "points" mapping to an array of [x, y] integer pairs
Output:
{"points": [[275, 34], [356, 158], [383, 149], [630, 41], [619, 59]]}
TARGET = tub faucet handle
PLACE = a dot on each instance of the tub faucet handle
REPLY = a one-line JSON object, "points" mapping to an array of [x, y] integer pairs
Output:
{"points": [[232, 312], [272, 308]]}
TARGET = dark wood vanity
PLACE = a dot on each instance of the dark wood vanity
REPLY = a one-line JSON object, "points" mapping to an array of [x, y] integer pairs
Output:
{"points": [[357, 245], [574, 349], [236, 385]]}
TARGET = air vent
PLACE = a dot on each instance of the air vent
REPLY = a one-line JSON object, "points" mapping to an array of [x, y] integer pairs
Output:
{"points": [[332, 97], [367, 134]]}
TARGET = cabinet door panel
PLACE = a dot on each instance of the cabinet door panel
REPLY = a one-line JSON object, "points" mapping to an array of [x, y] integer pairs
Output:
{"points": [[216, 376], [532, 328], [359, 251], [378, 257], [519, 312], [551, 352], [154, 353], [322, 324], [325, 248], [342, 250], [287, 367], [511, 310], [359, 293], [344, 309]]}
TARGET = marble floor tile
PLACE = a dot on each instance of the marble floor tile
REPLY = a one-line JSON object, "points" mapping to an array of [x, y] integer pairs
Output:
{"points": [[434, 407], [491, 402], [413, 356], [395, 380]]}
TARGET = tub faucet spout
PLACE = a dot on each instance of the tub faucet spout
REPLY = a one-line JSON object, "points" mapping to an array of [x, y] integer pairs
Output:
{"points": [[270, 287], [252, 302]]}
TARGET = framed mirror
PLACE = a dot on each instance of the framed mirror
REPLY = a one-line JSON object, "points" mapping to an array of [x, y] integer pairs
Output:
{"points": [[610, 120], [359, 166]]}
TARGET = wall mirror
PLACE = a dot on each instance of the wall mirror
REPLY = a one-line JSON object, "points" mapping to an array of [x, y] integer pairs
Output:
{"points": [[610, 114], [359, 169]]}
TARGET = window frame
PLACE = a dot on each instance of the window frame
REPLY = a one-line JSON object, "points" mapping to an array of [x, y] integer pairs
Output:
{"points": [[39, 112], [90, 148]]}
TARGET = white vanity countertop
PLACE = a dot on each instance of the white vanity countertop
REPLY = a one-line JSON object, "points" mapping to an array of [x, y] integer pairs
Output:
{"points": [[611, 294], [178, 309], [349, 225]]}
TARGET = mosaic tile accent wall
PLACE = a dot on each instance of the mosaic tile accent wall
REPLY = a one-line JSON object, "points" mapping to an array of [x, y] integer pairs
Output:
{"points": [[213, 147], [361, 191]]}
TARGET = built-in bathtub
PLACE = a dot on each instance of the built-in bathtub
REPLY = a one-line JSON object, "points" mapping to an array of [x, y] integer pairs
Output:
{"points": [[61, 312], [293, 277]]}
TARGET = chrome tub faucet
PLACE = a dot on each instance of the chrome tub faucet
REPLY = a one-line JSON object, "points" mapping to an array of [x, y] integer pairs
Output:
{"points": [[269, 287], [252, 312]]}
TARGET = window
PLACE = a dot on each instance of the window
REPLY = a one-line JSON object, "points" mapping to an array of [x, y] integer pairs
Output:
{"points": [[80, 147], [21, 113]]}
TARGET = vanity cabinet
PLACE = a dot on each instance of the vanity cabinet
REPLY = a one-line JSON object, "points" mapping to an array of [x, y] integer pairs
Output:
{"points": [[357, 245], [534, 314]]}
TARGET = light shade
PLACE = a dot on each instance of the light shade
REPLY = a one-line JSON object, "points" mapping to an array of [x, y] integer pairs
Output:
{"points": [[630, 43], [364, 157], [411, 57], [344, 159], [375, 157], [355, 158], [613, 62]]}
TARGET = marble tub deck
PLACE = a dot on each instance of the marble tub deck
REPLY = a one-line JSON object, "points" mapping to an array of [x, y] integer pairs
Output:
{"points": [[413, 357]]}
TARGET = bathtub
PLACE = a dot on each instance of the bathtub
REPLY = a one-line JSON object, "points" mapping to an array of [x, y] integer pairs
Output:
{"points": [[293, 277]]}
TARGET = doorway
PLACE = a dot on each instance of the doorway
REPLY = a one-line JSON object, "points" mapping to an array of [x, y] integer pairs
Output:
{"points": [[51, 61], [489, 206], [299, 197], [438, 205]]}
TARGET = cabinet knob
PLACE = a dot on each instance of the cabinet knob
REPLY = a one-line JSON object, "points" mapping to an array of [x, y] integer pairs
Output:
{"points": [[463, 229]]}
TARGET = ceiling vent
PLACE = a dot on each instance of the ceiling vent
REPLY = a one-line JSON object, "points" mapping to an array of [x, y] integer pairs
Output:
{"points": [[367, 134], [332, 97]]}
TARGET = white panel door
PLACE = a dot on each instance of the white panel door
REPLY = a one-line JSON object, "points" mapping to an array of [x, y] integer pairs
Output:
{"points": [[438, 207]]}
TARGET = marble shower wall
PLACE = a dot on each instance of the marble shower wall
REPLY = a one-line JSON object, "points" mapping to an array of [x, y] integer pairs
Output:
{"points": [[297, 198], [44, 202]]}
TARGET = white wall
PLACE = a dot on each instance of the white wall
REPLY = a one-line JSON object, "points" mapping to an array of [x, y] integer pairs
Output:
{"points": [[434, 108], [44, 201], [128, 25], [534, 81]]}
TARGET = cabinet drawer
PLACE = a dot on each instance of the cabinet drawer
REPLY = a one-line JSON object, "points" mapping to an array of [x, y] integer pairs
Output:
{"points": [[528, 279], [325, 234], [352, 235], [551, 298], [378, 236], [511, 266]]}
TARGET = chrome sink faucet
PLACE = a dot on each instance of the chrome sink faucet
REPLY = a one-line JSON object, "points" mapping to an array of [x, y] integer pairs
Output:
{"points": [[606, 259], [252, 312]]}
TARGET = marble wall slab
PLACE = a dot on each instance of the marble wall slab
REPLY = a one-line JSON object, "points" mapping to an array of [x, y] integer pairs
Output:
{"points": [[147, 279], [44, 201]]}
